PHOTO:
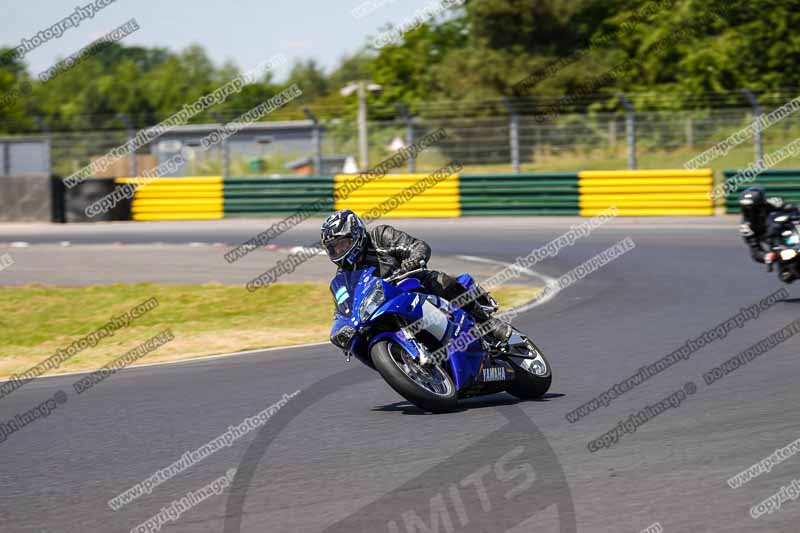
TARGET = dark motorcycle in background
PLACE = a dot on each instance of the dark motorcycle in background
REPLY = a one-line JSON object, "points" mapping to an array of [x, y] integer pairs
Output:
{"points": [[785, 248]]}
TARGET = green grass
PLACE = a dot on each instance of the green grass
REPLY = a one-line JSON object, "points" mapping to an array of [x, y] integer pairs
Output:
{"points": [[205, 319]]}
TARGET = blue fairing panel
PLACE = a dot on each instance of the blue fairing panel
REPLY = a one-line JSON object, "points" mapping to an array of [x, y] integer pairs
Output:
{"points": [[466, 280], [465, 364], [409, 284], [405, 304], [400, 339], [338, 322]]}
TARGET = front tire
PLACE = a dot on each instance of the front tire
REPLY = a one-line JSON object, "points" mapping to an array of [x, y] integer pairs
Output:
{"points": [[429, 389]]}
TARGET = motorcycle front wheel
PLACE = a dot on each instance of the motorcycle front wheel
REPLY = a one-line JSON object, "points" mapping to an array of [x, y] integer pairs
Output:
{"points": [[430, 389]]}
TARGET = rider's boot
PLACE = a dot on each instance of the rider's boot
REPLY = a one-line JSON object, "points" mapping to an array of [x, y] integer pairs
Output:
{"points": [[498, 331]]}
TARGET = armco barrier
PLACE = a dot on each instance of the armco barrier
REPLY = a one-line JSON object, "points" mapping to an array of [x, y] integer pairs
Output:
{"points": [[672, 192], [26, 199], [441, 200], [185, 198], [778, 182], [252, 197], [647, 192], [519, 194]]}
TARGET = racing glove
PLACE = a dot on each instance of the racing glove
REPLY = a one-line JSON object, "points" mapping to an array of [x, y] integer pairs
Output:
{"points": [[776, 202], [412, 263]]}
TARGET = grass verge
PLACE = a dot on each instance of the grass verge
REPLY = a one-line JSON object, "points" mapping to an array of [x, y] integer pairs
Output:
{"points": [[36, 320]]}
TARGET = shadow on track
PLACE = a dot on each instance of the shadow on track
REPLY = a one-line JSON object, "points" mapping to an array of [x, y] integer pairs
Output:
{"points": [[518, 442], [494, 400]]}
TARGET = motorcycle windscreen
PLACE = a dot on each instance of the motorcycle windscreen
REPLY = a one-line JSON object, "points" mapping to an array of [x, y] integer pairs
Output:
{"points": [[344, 287]]}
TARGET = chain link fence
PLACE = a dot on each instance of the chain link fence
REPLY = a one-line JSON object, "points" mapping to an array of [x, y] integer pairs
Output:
{"points": [[597, 141], [482, 144]]}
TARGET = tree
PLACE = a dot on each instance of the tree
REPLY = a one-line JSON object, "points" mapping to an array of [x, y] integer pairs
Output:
{"points": [[311, 79]]}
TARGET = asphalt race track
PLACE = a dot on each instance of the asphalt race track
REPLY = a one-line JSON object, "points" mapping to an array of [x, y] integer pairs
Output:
{"points": [[347, 454]]}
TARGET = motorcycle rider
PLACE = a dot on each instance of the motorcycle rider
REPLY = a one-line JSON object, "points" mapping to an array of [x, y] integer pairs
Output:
{"points": [[350, 246], [758, 220]]}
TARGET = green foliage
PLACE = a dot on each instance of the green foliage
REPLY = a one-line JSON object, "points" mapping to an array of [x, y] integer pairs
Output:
{"points": [[13, 84], [470, 57], [310, 76]]}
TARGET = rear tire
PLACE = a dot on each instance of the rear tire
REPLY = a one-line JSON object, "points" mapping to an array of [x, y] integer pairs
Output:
{"points": [[527, 385], [388, 361]]}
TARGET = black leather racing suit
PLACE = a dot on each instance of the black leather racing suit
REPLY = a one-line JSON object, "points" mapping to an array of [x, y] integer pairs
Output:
{"points": [[388, 248], [759, 232]]}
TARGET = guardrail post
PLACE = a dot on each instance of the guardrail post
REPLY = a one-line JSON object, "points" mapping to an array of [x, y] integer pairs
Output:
{"points": [[6, 158], [226, 153], [48, 144], [412, 161], [131, 136], [751, 98], [409, 120], [316, 141], [513, 135], [630, 130], [612, 133], [363, 138]]}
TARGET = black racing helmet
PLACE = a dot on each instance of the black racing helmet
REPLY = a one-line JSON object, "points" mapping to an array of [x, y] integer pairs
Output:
{"points": [[343, 236], [753, 203]]}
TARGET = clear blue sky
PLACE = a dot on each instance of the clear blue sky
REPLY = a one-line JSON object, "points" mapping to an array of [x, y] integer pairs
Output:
{"points": [[244, 31]]}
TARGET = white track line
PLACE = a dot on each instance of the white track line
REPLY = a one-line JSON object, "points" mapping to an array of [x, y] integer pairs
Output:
{"points": [[191, 360]]}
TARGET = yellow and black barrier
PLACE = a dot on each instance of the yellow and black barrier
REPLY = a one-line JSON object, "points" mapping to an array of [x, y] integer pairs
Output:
{"points": [[669, 192], [360, 195], [183, 198]]}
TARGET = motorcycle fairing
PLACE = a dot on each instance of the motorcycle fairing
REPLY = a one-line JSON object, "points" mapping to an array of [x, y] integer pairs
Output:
{"points": [[350, 288]]}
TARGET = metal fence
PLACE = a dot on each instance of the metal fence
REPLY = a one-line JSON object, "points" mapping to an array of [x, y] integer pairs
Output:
{"points": [[24, 156], [501, 143], [525, 143]]}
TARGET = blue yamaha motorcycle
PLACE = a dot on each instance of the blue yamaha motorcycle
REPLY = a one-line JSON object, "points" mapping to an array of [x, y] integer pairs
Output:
{"points": [[442, 362]]}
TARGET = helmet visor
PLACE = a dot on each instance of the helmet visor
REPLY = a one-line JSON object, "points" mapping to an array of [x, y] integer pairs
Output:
{"points": [[338, 247]]}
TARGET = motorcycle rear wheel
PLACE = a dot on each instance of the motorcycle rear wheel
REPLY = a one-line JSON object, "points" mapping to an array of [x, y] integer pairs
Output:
{"points": [[532, 379]]}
